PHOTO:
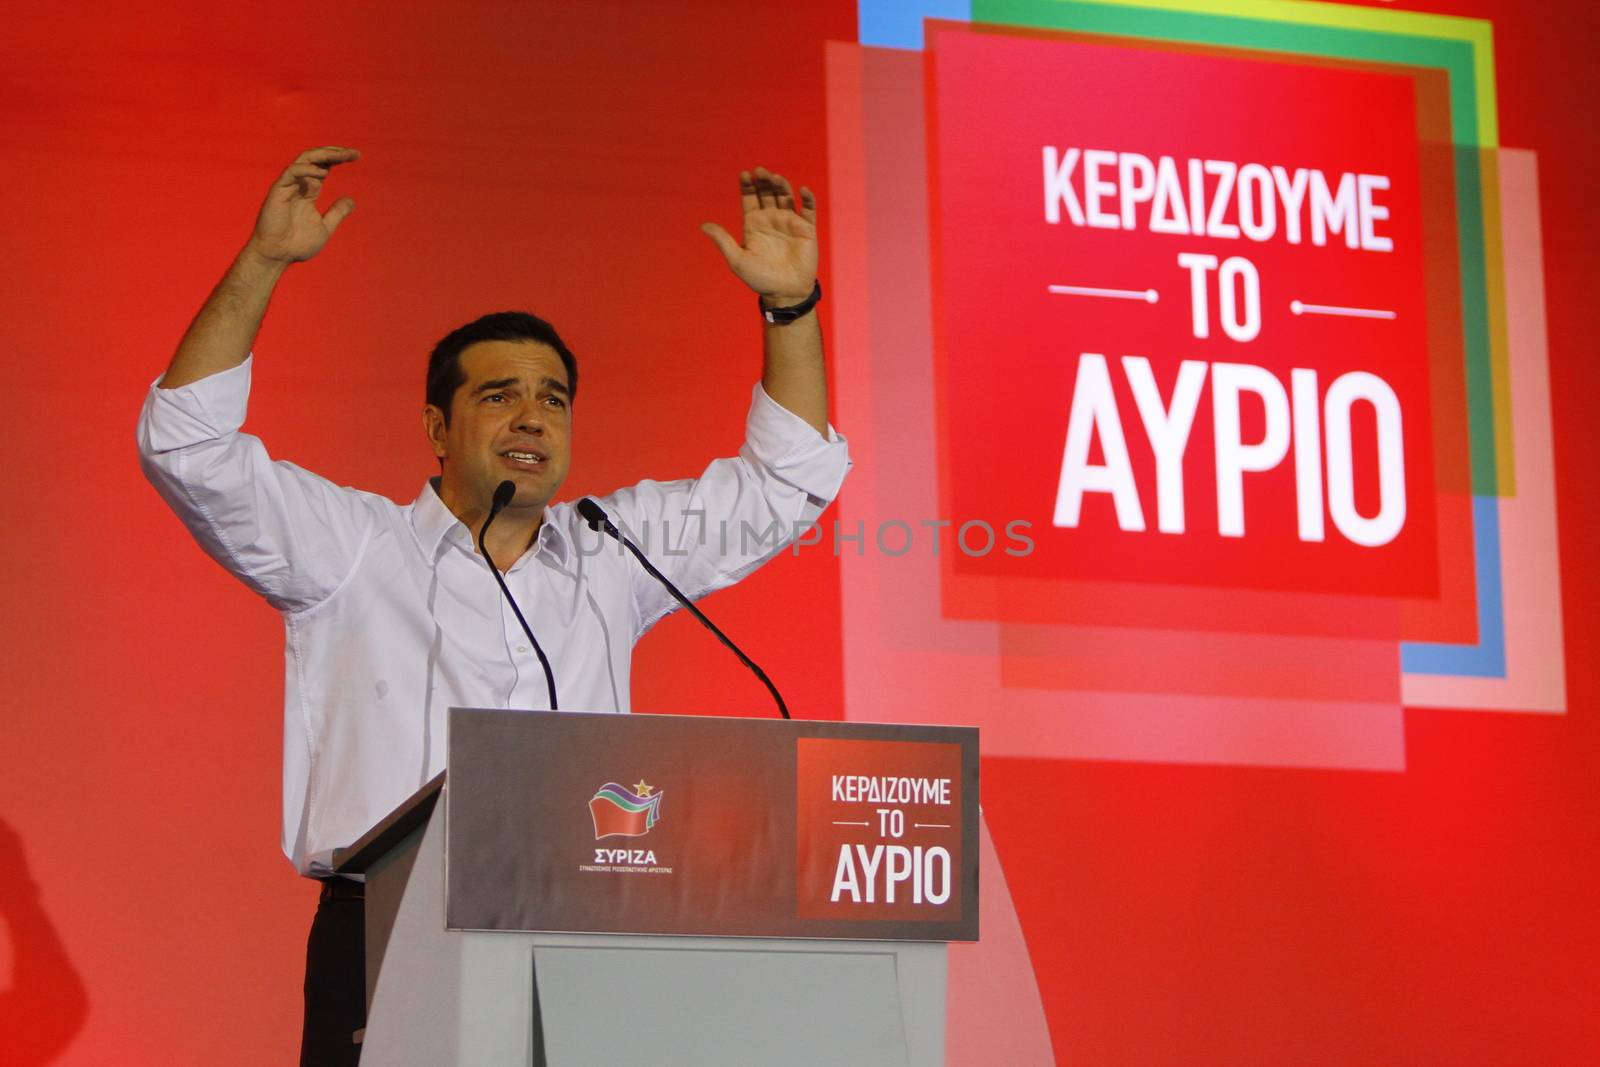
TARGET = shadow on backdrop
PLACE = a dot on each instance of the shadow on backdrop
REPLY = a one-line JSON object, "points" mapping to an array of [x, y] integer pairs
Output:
{"points": [[46, 1004]]}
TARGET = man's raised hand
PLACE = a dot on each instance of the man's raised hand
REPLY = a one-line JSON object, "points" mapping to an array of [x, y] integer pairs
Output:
{"points": [[778, 258], [289, 228]]}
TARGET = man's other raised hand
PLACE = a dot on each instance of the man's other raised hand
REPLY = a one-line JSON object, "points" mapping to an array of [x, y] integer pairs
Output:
{"points": [[289, 228], [778, 257]]}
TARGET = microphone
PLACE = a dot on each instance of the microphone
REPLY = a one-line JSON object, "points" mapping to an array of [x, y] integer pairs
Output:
{"points": [[597, 519], [502, 496]]}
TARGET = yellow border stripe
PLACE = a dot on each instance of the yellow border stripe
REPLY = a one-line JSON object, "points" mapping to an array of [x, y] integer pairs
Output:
{"points": [[1479, 33]]}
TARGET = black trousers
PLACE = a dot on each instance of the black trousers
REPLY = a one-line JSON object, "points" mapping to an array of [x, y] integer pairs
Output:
{"points": [[336, 982]]}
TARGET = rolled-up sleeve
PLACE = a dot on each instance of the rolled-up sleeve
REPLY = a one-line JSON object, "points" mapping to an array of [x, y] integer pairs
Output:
{"points": [[708, 532], [789, 447], [288, 534]]}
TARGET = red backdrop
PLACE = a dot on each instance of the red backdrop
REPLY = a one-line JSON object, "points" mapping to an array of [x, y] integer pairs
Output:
{"points": [[559, 158]]}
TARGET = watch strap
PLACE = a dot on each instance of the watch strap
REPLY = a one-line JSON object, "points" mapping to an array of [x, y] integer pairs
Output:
{"points": [[783, 316]]}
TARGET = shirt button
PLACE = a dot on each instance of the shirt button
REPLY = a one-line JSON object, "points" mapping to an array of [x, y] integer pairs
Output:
{"points": [[522, 648]]}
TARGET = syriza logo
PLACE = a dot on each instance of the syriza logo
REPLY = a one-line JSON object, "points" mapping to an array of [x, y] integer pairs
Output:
{"points": [[622, 811]]}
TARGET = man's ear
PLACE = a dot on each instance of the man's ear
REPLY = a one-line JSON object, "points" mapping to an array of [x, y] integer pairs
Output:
{"points": [[433, 425]]}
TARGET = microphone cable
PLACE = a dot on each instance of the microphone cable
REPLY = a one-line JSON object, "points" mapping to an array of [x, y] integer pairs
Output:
{"points": [[502, 496], [597, 519]]}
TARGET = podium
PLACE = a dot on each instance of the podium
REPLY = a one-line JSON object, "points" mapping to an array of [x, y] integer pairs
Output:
{"points": [[689, 890]]}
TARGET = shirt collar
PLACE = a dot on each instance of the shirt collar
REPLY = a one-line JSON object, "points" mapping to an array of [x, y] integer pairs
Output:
{"points": [[552, 536], [433, 522]]}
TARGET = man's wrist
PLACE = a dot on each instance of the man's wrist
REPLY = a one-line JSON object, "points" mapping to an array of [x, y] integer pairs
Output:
{"points": [[789, 310], [252, 257], [783, 300]]}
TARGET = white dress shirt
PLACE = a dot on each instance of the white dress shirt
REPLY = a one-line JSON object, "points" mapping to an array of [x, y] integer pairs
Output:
{"points": [[391, 617]]}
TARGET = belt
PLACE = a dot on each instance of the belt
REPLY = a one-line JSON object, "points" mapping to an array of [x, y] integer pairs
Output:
{"points": [[341, 889]]}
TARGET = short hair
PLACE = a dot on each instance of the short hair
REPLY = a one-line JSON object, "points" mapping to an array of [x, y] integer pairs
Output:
{"points": [[445, 375]]}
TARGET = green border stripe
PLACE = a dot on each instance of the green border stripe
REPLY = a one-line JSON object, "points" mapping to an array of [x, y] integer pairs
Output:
{"points": [[1159, 21], [1478, 33]]}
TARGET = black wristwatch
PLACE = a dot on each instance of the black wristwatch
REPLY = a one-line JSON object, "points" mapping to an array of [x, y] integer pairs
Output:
{"points": [[783, 316]]}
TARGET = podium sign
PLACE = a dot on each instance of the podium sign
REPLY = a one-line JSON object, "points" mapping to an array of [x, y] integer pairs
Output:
{"points": [[653, 824]]}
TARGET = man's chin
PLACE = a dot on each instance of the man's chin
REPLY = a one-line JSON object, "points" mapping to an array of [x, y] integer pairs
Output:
{"points": [[535, 489]]}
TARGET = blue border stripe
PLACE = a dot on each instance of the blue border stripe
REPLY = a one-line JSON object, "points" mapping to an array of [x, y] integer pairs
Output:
{"points": [[898, 23], [1487, 658]]}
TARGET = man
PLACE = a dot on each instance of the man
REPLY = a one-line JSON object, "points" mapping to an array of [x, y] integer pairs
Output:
{"points": [[390, 614]]}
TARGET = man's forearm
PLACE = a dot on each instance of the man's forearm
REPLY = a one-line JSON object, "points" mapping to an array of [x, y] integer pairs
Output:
{"points": [[221, 335], [793, 373]]}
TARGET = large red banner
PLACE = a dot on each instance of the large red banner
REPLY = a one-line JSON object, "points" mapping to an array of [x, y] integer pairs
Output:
{"points": [[1181, 318]]}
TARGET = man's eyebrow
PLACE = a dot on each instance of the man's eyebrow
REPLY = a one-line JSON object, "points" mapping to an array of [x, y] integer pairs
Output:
{"points": [[555, 385]]}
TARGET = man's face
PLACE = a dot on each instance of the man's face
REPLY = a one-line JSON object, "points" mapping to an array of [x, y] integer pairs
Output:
{"points": [[510, 419]]}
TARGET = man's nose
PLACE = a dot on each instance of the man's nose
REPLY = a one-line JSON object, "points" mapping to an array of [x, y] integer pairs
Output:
{"points": [[530, 419]]}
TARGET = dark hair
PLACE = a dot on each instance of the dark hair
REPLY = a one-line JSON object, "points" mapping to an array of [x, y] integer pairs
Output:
{"points": [[444, 365]]}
